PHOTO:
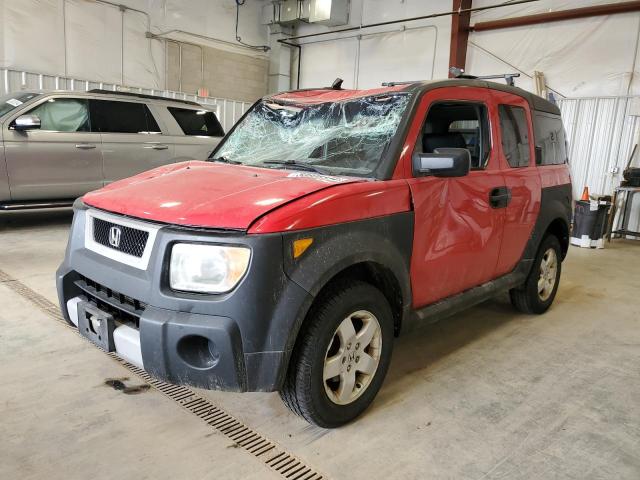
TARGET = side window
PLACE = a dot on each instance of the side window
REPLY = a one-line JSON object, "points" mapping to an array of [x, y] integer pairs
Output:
{"points": [[197, 122], [514, 135], [458, 125], [550, 139], [63, 115], [110, 116]]}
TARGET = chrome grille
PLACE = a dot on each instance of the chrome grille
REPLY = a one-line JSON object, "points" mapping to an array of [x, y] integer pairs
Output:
{"points": [[131, 241]]}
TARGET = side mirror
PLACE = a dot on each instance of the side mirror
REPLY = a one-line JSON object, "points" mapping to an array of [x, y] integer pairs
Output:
{"points": [[26, 122], [444, 162]]}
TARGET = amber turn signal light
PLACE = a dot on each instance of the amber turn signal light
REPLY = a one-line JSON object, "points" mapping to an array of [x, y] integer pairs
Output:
{"points": [[300, 246]]}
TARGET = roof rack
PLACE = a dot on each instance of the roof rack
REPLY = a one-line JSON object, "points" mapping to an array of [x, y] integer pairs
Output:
{"points": [[508, 77], [142, 95], [407, 82]]}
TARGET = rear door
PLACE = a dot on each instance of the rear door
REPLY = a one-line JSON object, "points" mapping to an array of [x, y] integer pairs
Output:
{"points": [[132, 141], [516, 154], [196, 132], [61, 160], [458, 221]]}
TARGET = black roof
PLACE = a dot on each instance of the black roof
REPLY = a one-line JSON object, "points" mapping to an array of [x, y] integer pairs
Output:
{"points": [[535, 102]]}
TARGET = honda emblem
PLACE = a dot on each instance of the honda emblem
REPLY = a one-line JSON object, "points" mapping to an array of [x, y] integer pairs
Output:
{"points": [[114, 237]]}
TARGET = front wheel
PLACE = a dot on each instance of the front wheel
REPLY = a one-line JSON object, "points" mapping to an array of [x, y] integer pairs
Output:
{"points": [[342, 357], [538, 291]]}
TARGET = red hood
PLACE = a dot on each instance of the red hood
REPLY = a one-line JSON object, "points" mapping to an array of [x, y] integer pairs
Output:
{"points": [[206, 194]]}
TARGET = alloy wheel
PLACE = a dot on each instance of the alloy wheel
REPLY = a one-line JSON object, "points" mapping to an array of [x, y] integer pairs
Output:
{"points": [[548, 274], [352, 357]]}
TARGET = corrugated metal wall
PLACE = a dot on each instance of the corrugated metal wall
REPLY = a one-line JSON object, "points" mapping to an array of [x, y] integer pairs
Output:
{"points": [[601, 133], [228, 111]]}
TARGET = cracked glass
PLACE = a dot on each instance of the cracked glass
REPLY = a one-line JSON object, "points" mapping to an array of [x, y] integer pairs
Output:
{"points": [[337, 138]]}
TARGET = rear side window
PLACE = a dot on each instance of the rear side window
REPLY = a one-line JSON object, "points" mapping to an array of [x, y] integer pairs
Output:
{"points": [[109, 116], [551, 148], [63, 115], [515, 135], [197, 122]]}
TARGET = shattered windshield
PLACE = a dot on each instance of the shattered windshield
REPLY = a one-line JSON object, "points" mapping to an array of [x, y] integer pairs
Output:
{"points": [[336, 138]]}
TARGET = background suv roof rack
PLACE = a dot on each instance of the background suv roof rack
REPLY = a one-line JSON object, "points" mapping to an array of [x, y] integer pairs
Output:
{"points": [[142, 95]]}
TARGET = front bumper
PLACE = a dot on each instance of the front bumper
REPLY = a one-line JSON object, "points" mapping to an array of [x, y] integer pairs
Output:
{"points": [[238, 341]]}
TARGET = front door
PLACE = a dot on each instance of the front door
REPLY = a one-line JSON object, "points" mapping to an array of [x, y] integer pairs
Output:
{"points": [[458, 221], [61, 160]]}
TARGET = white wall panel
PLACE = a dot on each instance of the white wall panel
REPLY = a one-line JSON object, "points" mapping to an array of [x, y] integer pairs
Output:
{"points": [[214, 18], [32, 32], [144, 60], [94, 41], [582, 57], [387, 53], [323, 62], [32, 35], [399, 56]]}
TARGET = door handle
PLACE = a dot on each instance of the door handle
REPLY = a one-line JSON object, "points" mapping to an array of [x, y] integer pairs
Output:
{"points": [[156, 146], [499, 197], [85, 146]]}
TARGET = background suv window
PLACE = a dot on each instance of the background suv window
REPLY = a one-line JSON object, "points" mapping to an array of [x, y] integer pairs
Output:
{"points": [[515, 135], [110, 116], [458, 125], [63, 115], [197, 122]]}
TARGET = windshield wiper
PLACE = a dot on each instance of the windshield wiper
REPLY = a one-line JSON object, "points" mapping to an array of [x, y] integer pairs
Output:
{"points": [[225, 160], [293, 164]]}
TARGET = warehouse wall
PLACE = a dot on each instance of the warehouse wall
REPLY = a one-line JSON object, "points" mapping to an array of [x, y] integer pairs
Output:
{"points": [[584, 57], [419, 51], [84, 39], [224, 74]]}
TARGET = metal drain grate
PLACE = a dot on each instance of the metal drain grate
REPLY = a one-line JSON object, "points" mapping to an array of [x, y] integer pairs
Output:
{"points": [[271, 454]]}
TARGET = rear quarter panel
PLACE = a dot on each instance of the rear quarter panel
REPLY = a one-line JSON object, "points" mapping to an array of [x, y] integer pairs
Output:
{"points": [[193, 148]]}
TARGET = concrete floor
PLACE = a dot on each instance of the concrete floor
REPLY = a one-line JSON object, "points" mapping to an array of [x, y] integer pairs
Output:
{"points": [[487, 394]]}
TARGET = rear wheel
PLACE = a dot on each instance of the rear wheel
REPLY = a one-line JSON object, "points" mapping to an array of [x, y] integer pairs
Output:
{"points": [[539, 290], [342, 357]]}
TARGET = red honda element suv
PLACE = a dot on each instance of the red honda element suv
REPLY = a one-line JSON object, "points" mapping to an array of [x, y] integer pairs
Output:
{"points": [[323, 225]]}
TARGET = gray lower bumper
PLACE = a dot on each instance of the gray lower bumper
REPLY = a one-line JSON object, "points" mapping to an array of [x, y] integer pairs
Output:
{"points": [[199, 350]]}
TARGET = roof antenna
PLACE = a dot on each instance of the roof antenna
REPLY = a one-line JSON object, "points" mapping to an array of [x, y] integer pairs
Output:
{"points": [[337, 84]]}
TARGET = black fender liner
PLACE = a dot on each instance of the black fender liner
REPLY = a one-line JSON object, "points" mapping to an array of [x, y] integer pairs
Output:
{"points": [[384, 242], [555, 209]]}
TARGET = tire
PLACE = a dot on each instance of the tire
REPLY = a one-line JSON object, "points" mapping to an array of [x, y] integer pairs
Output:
{"points": [[529, 298], [330, 403]]}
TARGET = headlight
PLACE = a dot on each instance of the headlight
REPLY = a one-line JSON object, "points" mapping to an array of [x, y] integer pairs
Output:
{"points": [[207, 268]]}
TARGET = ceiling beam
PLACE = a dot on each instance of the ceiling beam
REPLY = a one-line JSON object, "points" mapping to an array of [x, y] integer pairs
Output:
{"points": [[597, 10], [459, 33]]}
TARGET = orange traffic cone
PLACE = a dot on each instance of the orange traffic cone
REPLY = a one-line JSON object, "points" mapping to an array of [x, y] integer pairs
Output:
{"points": [[585, 194]]}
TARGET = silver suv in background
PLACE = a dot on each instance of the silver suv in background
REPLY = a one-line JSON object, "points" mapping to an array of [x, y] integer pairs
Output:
{"points": [[57, 146]]}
